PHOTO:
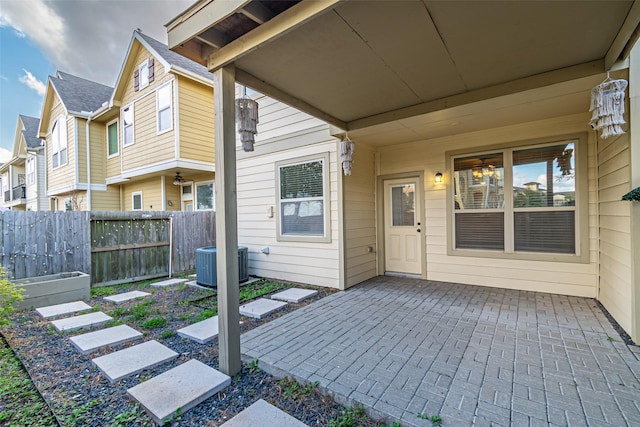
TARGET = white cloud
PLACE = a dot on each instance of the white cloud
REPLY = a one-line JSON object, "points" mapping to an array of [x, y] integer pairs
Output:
{"points": [[33, 83], [89, 38], [4, 78], [5, 155]]}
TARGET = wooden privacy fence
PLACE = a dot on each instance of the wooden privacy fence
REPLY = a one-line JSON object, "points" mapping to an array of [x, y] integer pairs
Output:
{"points": [[113, 247]]}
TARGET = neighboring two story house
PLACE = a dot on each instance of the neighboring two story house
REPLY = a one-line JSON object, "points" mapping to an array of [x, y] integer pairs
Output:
{"points": [[75, 153], [23, 177], [160, 150]]}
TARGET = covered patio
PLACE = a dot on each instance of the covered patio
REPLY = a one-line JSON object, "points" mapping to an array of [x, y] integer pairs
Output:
{"points": [[472, 355]]}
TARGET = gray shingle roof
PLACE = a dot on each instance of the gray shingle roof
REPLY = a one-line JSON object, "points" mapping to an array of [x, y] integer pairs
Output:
{"points": [[177, 59], [79, 94], [30, 131]]}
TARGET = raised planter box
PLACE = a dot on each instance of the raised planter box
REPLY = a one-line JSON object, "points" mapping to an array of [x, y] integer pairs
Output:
{"points": [[54, 289]]}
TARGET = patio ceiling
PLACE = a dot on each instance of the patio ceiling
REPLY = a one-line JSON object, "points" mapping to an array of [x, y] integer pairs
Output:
{"points": [[412, 68]]}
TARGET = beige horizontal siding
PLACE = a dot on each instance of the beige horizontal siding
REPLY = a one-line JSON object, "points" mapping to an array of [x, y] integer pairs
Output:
{"points": [[151, 193], [82, 150], [106, 200], [98, 152], [64, 175], [195, 110], [305, 262], [359, 204]]}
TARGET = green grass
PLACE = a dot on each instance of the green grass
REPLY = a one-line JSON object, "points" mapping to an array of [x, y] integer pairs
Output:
{"points": [[154, 323], [256, 290], [103, 291], [349, 417], [20, 403], [207, 313], [167, 333]]}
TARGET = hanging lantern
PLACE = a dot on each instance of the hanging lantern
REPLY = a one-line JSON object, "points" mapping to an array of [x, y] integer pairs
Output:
{"points": [[607, 106], [247, 120], [347, 148]]}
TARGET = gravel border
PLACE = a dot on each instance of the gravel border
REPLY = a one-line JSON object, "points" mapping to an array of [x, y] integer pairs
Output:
{"points": [[79, 395]]}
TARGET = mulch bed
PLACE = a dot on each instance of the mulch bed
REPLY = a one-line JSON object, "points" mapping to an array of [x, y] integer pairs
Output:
{"points": [[80, 396]]}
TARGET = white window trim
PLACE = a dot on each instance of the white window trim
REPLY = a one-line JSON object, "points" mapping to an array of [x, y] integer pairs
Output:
{"points": [[194, 194], [170, 108], [31, 170], [59, 121], [326, 185], [580, 208], [133, 125], [133, 195], [117, 122], [144, 65]]}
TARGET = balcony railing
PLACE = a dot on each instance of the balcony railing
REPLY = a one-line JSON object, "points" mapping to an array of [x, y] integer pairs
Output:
{"points": [[19, 192]]}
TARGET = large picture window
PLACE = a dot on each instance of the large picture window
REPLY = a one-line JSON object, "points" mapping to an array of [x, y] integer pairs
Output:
{"points": [[59, 142], [302, 201], [517, 200]]}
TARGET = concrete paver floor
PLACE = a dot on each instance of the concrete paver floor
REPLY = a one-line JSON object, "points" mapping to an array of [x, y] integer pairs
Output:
{"points": [[472, 355]]}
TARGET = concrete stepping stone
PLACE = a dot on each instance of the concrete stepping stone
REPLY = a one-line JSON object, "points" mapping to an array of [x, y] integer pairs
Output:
{"points": [[168, 282], [92, 341], [130, 361], [120, 298], [194, 284], [60, 309], [80, 322], [201, 332], [294, 295], [182, 387], [263, 414], [260, 307]]}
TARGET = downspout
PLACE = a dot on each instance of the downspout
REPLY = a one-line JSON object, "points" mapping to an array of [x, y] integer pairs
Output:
{"points": [[170, 245], [88, 164]]}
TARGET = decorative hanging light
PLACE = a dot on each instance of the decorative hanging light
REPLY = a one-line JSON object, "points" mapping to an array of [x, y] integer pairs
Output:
{"points": [[247, 120], [607, 106], [347, 148]]}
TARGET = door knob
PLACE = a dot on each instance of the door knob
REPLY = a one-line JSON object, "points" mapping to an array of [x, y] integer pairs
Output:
{"points": [[418, 230]]}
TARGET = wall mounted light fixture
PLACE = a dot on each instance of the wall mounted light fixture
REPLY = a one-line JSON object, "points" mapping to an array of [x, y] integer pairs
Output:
{"points": [[438, 178]]}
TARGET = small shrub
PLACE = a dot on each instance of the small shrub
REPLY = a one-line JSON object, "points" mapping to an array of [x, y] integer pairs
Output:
{"points": [[9, 295], [349, 417], [253, 366], [154, 323]]}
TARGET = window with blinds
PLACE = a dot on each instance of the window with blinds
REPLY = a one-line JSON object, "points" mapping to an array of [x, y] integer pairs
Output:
{"points": [[537, 214], [302, 199]]}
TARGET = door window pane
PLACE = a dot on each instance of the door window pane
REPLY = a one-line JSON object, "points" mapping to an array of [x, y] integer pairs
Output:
{"points": [[403, 208]]}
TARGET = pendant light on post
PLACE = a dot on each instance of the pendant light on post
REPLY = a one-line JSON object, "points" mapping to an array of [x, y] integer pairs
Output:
{"points": [[247, 120]]}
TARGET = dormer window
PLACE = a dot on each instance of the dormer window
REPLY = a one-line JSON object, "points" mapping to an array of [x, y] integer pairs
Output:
{"points": [[143, 75]]}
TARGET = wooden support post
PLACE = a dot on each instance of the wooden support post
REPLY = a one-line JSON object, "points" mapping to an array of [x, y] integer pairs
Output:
{"points": [[634, 130], [226, 221]]}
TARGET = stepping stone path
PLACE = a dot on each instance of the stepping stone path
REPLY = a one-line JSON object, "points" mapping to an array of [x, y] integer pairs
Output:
{"points": [[60, 309], [120, 298], [194, 284], [294, 295], [82, 321], [92, 341], [262, 414], [201, 332], [168, 282], [132, 360], [260, 307], [182, 387]]}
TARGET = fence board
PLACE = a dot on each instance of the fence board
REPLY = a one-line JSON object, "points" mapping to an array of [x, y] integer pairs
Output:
{"points": [[110, 246]]}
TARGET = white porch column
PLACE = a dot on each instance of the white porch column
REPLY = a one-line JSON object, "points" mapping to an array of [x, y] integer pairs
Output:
{"points": [[226, 221], [634, 130]]}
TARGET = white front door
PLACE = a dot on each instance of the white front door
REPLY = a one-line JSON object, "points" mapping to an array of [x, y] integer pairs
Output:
{"points": [[403, 226]]}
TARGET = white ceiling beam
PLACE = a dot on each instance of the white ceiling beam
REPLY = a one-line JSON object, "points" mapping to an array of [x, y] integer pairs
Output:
{"points": [[280, 25], [624, 36], [253, 82], [520, 85], [200, 18], [257, 12]]}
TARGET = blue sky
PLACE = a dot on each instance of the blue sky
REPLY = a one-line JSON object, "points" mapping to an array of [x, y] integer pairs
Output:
{"points": [[87, 38]]}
